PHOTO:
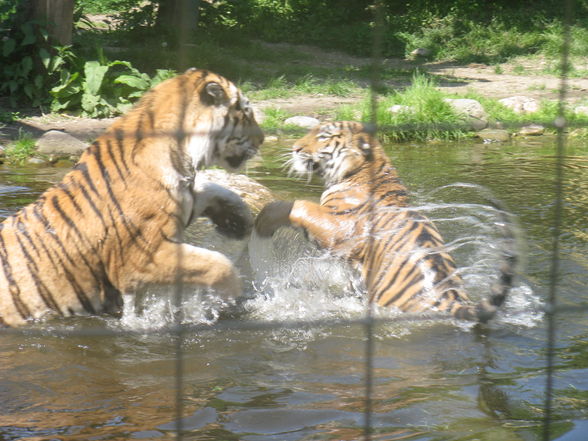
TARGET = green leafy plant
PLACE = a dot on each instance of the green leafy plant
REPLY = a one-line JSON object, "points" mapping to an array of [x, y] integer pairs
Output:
{"points": [[103, 88]]}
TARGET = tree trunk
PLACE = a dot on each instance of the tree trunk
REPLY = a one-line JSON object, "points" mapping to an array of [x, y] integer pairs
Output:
{"points": [[58, 16], [175, 17]]}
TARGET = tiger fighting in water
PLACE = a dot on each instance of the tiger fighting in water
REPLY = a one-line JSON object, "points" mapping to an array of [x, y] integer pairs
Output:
{"points": [[115, 223], [399, 251]]}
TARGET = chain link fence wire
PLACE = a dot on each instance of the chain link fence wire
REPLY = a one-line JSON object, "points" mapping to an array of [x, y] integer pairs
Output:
{"points": [[561, 126], [179, 330]]}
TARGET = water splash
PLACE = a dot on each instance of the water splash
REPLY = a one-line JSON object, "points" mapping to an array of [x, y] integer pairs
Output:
{"points": [[156, 309], [295, 281], [290, 279]]}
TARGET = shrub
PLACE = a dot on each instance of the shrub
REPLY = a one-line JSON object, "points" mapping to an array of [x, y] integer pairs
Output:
{"points": [[30, 65], [102, 88]]}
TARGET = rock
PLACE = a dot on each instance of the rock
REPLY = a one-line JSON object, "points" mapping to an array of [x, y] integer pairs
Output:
{"points": [[271, 138], [59, 143], [399, 108], [532, 130], [581, 110], [493, 135], [36, 161], [579, 133], [520, 104], [420, 52], [253, 193], [306, 122], [472, 111], [63, 163], [202, 232]]}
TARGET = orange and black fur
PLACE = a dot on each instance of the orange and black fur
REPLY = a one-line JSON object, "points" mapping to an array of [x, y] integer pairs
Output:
{"points": [[363, 217], [115, 223]]}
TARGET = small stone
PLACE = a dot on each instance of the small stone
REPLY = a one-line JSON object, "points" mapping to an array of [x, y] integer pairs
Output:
{"points": [[472, 111], [306, 122], [36, 161], [59, 143], [63, 163], [271, 138], [399, 108], [532, 130], [421, 52], [493, 135], [520, 104], [581, 110]]}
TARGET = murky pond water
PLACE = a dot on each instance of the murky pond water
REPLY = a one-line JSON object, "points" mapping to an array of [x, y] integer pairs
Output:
{"points": [[432, 380]]}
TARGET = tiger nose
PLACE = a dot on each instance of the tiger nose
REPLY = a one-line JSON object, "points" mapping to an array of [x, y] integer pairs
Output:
{"points": [[296, 148]]}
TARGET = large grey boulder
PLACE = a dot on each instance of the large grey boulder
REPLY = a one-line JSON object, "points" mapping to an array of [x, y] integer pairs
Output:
{"points": [[57, 143], [203, 233]]}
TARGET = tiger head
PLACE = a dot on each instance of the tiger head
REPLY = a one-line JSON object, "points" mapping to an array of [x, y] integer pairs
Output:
{"points": [[334, 150], [209, 116]]}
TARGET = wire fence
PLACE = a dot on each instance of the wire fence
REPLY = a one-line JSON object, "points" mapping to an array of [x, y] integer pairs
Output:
{"points": [[179, 330]]}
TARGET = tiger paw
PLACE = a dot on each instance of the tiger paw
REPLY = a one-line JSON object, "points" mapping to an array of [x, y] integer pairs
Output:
{"points": [[273, 216], [231, 217]]}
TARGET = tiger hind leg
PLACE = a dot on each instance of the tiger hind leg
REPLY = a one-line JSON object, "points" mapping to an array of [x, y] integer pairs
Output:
{"points": [[191, 266]]}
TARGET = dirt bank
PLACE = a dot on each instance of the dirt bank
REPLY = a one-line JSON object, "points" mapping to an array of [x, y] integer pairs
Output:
{"points": [[451, 78]]}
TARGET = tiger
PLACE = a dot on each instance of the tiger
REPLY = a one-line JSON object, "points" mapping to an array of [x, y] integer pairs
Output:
{"points": [[115, 223], [364, 217]]}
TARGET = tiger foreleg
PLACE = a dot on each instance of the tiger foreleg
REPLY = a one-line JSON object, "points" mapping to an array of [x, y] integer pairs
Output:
{"points": [[225, 208], [317, 220]]}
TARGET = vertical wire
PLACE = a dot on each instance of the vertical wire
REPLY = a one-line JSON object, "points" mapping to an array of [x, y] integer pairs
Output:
{"points": [[188, 11], [560, 124], [373, 119], [179, 355], [188, 15]]}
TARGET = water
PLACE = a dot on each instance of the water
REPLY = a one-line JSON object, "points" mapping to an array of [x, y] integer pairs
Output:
{"points": [[433, 379]]}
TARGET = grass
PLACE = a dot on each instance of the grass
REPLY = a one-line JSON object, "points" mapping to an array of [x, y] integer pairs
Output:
{"points": [[274, 122], [21, 149], [429, 116]]}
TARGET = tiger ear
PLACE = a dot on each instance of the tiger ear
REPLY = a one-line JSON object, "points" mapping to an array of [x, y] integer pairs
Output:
{"points": [[213, 94]]}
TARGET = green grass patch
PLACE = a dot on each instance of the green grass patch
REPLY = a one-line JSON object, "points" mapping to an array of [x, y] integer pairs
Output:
{"points": [[274, 119], [21, 149], [426, 116]]}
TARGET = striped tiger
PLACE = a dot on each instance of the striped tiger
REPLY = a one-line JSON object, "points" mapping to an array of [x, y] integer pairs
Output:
{"points": [[115, 223], [364, 217]]}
